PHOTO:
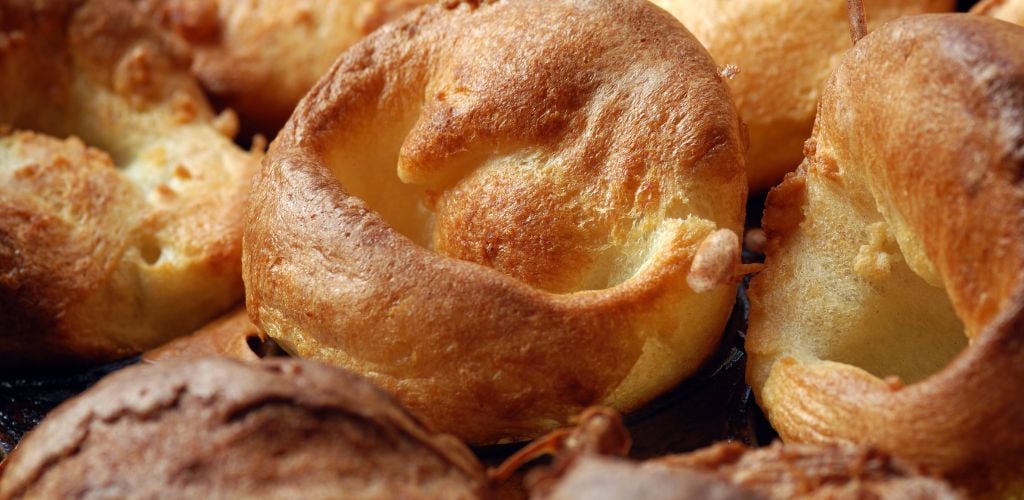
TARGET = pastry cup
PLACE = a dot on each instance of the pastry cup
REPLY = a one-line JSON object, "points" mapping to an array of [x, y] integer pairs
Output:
{"points": [[889, 311], [121, 193], [565, 173]]}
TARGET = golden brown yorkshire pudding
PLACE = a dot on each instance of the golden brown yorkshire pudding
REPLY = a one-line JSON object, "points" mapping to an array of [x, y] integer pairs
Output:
{"points": [[784, 51], [218, 428], [891, 308], [1007, 10], [494, 210], [127, 232], [260, 58]]}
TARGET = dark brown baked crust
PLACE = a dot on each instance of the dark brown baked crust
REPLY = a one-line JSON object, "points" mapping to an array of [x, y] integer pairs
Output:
{"points": [[218, 428], [558, 165], [128, 232], [731, 470], [586, 465], [919, 130], [812, 471]]}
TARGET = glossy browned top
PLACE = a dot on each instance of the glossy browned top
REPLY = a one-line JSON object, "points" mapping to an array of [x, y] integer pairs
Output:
{"points": [[491, 209], [260, 58]]}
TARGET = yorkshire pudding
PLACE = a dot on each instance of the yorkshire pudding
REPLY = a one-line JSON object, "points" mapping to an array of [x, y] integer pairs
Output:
{"points": [[584, 465], [128, 232], [218, 428], [1007, 10], [784, 51], [260, 58], [731, 471], [891, 308], [494, 209]]}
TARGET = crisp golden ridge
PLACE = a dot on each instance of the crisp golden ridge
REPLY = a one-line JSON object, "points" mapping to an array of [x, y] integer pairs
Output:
{"points": [[784, 51], [491, 210], [260, 58], [890, 308], [108, 250], [1007, 10]]}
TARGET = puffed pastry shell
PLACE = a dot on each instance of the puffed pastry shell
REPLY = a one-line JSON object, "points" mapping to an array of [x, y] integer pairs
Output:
{"points": [[121, 193], [891, 308], [561, 166]]}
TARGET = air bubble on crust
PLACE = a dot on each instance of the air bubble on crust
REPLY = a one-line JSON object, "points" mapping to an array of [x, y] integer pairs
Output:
{"points": [[150, 250]]}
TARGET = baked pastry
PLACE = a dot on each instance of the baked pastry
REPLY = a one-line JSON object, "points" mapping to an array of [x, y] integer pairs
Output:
{"points": [[232, 335], [1007, 10], [219, 428], [564, 170], [260, 58], [889, 311], [585, 465], [597, 477], [731, 471], [783, 51], [121, 193]]}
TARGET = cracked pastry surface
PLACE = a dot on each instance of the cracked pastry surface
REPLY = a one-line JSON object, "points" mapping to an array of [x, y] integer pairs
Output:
{"points": [[260, 58], [783, 51], [732, 471], [889, 311], [491, 209], [219, 428], [585, 464], [121, 193]]}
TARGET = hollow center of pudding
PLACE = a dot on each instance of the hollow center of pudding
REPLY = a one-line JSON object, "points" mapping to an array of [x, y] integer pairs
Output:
{"points": [[865, 305], [526, 215], [556, 212]]}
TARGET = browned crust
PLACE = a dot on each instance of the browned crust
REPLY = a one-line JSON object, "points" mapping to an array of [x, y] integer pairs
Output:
{"points": [[232, 335], [812, 471], [783, 52], [731, 470], [110, 249], [221, 428], [478, 352], [261, 58], [948, 158]]}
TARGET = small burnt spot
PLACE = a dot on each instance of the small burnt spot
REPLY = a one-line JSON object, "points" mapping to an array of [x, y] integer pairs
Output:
{"points": [[195, 21], [133, 76], [182, 172], [165, 191], [27, 172], [184, 108]]}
